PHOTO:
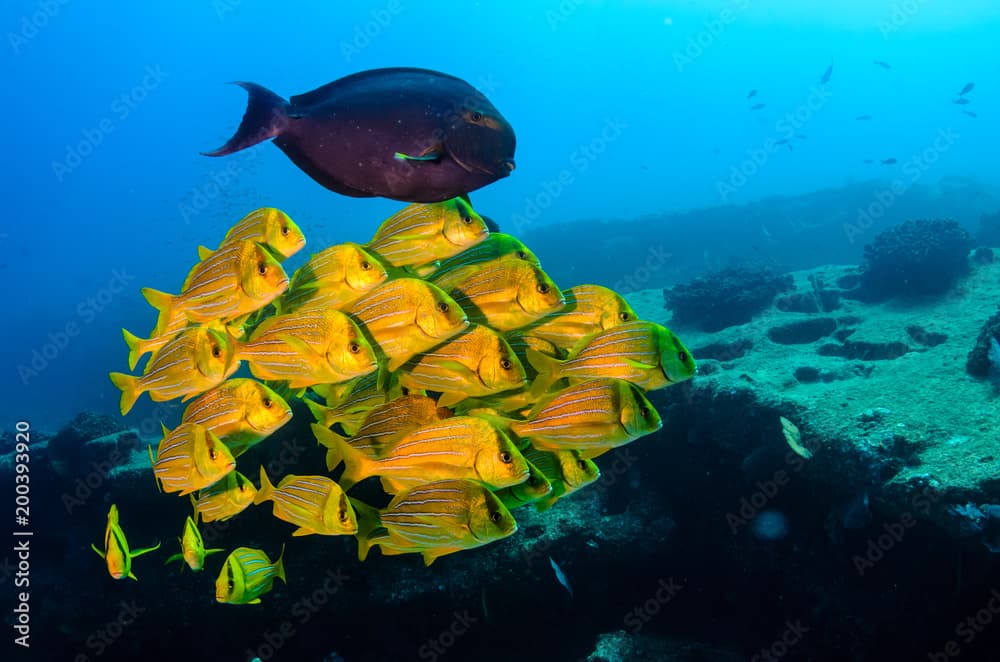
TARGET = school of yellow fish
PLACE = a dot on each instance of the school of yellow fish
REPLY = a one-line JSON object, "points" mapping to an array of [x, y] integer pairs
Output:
{"points": [[438, 357]]}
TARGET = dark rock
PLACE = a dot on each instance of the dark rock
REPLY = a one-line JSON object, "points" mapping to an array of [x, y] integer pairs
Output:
{"points": [[807, 374], [723, 351], [915, 258], [724, 298], [802, 332], [67, 449], [797, 302], [865, 351], [988, 233], [982, 255], [978, 362], [843, 334], [924, 337]]}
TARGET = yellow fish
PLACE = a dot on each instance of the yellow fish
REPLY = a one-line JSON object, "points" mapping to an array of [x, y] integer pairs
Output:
{"points": [[504, 294], [196, 360], [521, 340], [190, 458], [591, 417], [646, 354], [497, 245], [536, 487], [193, 550], [138, 347], [116, 552], [224, 499], [434, 520], [349, 406], [386, 424], [475, 362], [307, 348], [267, 226], [240, 412], [237, 279], [567, 471], [589, 309], [246, 575], [315, 504], [419, 234], [455, 448], [333, 278], [406, 316]]}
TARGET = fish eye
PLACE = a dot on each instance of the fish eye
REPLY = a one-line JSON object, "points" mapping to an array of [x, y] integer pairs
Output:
{"points": [[505, 364], [476, 116], [522, 255], [262, 268], [216, 351], [443, 307], [343, 515], [506, 457], [532, 480], [354, 348], [231, 585], [495, 517], [644, 412], [267, 403], [365, 265], [211, 453], [683, 356], [623, 316], [543, 288], [284, 230], [582, 464]]}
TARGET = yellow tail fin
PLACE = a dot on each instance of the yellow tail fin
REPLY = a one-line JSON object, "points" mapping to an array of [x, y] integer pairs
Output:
{"points": [[266, 491], [130, 388]]}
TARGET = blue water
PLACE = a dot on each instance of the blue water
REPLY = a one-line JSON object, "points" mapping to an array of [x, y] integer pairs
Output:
{"points": [[621, 109]]}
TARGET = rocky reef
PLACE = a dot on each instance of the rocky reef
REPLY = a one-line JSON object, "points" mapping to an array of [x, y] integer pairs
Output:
{"points": [[724, 298]]}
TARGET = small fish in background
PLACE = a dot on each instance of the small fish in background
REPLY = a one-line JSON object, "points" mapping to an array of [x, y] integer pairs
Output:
{"points": [[890, 162], [883, 64], [117, 554], [970, 113], [758, 106], [561, 576], [863, 118], [961, 101], [193, 550], [751, 94], [793, 437], [825, 78], [968, 87]]}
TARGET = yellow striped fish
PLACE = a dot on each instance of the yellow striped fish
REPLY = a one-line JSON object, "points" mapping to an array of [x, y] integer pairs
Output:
{"points": [[333, 278], [497, 245], [504, 294], [117, 555], [349, 406], [419, 234], [476, 362], [644, 353], [138, 347], [567, 471], [521, 340], [591, 417], [224, 499], [268, 226], [193, 550], [196, 360], [536, 487], [316, 347], [588, 310], [190, 458], [246, 575], [315, 504], [434, 520], [406, 316], [386, 424], [237, 279], [455, 448], [240, 412]]}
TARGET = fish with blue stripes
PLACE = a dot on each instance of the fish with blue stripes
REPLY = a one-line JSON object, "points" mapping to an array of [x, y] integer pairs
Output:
{"points": [[315, 504], [241, 412], [190, 458], [589, 309], [224, 498], [420, 234], [335, 277], [246, 575]]}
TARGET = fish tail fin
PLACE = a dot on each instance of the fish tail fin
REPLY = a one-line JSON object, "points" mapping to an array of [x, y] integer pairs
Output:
{"points": [[279, 566], [368, 521], [136, 347], [266, 117], [548, 371], [129, 386], [152, 462], [316, 409], [157, 299], [266, 491], [341, 451]]}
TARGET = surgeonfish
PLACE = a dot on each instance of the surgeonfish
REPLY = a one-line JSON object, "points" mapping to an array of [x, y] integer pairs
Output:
{"points": [[117, 554]]}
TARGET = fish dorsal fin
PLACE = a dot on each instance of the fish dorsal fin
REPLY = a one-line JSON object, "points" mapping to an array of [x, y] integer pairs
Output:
{"points": [[323, 93]]}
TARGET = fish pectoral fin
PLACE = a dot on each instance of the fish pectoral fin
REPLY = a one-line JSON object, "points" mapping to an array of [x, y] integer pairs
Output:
{"points": [[430, 155], [639, 364], [214, 551], [97, 551], [175, 557], [451, 398], [255, 601], [145, 550], [302, 531]]}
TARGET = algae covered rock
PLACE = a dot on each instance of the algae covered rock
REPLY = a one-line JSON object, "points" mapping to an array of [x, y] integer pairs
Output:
{"points": [[724, 298]]}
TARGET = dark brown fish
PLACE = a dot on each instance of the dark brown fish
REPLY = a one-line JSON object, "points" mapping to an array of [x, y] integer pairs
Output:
{"points": [[408, 134]]}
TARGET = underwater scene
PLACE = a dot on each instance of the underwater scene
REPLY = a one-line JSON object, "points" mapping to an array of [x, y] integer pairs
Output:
{"points": [[569, 330]]}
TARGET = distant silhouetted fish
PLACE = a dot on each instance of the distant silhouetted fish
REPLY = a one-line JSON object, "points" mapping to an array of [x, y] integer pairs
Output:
{"points": [[863, 117], [890, 162], [757, 106], [402, 133], [883, 64], [970, 113], [965, 90], [826, 75], [961, 101], [751, 94]]}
